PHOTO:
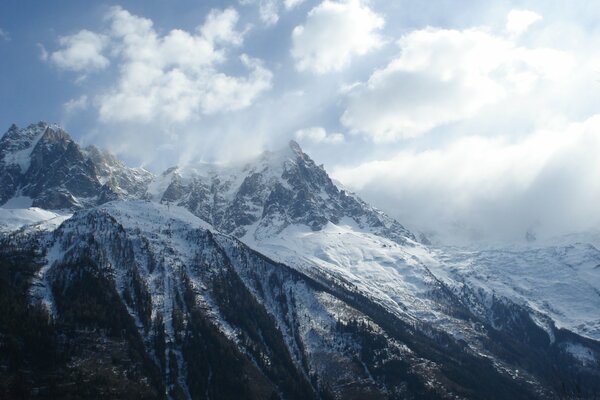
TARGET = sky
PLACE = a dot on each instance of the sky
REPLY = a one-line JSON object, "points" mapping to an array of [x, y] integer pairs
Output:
{"points": [[469, 121]]}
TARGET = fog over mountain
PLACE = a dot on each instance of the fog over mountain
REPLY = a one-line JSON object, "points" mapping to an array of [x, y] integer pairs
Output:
{"points": [[464, 121]]}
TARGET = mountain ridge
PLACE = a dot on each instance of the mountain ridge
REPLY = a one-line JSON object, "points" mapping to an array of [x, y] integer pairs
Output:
{"points": [[269, 270], [42, 162], [284, 186]]}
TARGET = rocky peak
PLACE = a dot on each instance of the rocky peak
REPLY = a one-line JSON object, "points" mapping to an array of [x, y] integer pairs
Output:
{"points": [[56, 134], [276, 190], [17, 139], [44, 164], [262, 198], [296, 149]]}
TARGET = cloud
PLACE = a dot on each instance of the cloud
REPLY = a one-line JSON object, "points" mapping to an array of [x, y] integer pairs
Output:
{"points": [[269, 10], [499, 121], [219, 27], [43, 52], [81, 52], [166, 96], [175, 78], [318, 134], [333, 34], [78, 104], [444, 76], [4, 35], [494, 187], [289, 4], [518, 21]]}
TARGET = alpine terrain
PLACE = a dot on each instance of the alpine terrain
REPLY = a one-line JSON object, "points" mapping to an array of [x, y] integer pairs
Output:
{"points": [[266, 281]]}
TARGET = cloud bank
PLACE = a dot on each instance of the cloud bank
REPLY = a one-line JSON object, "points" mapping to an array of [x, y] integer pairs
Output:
{"points": [[162, 84], [484, 130], [318, 134], [333, 34], [492, 187], [444, 76]]}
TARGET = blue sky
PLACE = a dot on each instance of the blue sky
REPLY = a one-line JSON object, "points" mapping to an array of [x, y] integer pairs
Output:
{"points": [[485, 112]]}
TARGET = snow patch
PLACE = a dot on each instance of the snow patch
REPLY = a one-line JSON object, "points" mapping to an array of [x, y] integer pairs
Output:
{"points": [[12, 219], [579, 352]]}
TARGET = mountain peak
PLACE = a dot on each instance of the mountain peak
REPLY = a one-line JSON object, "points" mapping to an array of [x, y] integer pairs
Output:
{"points": [[30, 132], [295, 147]]}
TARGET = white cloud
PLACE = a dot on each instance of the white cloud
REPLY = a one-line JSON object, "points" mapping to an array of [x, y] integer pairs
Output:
{"points": [[78, 104], [499, 187], [268, 10], [518, 21], [81, 51], [220, 27], [334, 32], [444, 76], [318, 134], [289, 4], [174, 78], [234, 93]]}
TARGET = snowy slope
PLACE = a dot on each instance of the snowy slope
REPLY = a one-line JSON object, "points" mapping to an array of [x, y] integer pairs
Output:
{"points": [[391, 273], [355, 290], [561, 282], [17, 213], [160, 254]]}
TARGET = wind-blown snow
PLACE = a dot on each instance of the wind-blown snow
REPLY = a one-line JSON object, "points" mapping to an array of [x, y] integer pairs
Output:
{"points": [[270, 165]]}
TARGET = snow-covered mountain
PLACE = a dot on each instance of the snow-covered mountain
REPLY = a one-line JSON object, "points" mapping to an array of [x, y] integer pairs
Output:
{"points": [[268, 280], [41, 166], [263, 197]]}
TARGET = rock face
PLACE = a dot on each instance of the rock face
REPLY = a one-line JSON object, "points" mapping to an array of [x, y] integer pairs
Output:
{"points": [[42, 165], [267, 195]]}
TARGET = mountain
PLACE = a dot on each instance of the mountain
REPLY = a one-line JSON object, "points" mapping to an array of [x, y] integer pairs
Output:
{"points": [[268, 280], [41, 166], [263, 197]]}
